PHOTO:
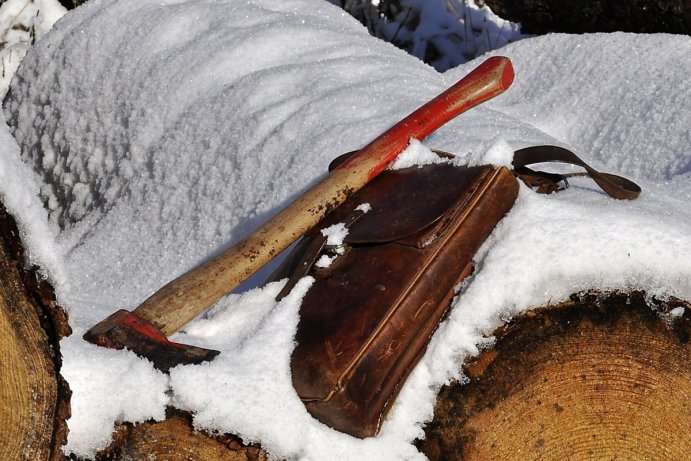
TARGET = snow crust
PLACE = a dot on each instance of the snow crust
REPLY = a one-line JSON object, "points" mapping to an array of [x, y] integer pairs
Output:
{"points": [[158, 133]]}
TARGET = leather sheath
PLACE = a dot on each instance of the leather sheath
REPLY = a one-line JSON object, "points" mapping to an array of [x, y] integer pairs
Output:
{"points": [[368, 317]]}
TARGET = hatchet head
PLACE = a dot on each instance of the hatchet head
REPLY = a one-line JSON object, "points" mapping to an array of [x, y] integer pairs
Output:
{"points": [[127, 330]]}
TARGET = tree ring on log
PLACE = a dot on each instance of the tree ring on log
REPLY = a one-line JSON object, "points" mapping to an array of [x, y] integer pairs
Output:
{"points": [[35, 398], [601, 376]]}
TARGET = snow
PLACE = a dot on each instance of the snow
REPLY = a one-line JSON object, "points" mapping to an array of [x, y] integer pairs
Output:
{"points": [[335, 234], [19, 192], [364, 207], [136, 391], [416, 154], [496, 152], [157, 133], [21, 23]]}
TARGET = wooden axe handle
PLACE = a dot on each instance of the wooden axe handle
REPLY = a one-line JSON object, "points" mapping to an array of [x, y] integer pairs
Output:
{"points": [[192, 293]]}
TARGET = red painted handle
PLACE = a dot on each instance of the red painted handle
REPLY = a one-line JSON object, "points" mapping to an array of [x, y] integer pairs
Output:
{"points": [[486, 81]]}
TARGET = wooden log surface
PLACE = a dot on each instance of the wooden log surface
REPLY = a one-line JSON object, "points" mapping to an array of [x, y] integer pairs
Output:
{"points": [[598, 377], [35, 399], [175, 439]]}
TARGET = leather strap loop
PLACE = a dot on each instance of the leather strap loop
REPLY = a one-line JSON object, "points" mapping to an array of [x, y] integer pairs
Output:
{"points": [[613, 185]]}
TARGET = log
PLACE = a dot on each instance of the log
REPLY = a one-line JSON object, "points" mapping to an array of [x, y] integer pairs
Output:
{"points": [[35, 398], [175, 439], [602, 376]]}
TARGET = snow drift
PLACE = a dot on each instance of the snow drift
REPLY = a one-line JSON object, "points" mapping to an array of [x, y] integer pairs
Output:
{"points": [[160, 132]]}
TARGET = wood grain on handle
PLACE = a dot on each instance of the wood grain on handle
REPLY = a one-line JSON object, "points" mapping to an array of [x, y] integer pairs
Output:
{"points": [[192, 293]]}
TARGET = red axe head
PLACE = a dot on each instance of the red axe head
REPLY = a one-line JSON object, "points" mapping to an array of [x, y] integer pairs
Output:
{"points": [[124, 329]]}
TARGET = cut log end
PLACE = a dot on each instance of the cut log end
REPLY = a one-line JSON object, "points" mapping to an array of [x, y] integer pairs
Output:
{"points": [[35, 398], [600, 376]]}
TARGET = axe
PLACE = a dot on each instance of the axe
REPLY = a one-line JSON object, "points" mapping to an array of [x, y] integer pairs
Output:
{"points": [[145, 330]]}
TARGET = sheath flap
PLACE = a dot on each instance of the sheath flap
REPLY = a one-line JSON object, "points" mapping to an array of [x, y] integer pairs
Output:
{"points": [[406, 202]]}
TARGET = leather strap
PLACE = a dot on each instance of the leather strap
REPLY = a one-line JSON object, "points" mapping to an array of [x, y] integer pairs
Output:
{"points": [[613, 185], [303, 256], [309, 249]]}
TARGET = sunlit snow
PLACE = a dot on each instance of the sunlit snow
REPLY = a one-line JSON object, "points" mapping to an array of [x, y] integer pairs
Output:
{"points": [[158, 133]]}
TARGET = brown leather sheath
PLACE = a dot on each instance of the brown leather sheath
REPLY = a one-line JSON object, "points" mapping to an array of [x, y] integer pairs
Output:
{"points": [[368, 317]]}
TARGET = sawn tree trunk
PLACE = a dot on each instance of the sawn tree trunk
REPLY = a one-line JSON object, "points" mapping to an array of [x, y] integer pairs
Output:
{"points": [[599, 376]]}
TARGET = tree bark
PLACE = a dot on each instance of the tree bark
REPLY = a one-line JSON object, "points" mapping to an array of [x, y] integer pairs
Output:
{"points": [[35, 398], [598, 377]]}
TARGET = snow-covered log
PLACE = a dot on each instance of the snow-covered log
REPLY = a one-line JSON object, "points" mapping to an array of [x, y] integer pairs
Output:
{"points": [[35, 397]]}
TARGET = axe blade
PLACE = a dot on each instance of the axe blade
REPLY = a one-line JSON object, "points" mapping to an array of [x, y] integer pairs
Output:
{"points": [[126, 330]]}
